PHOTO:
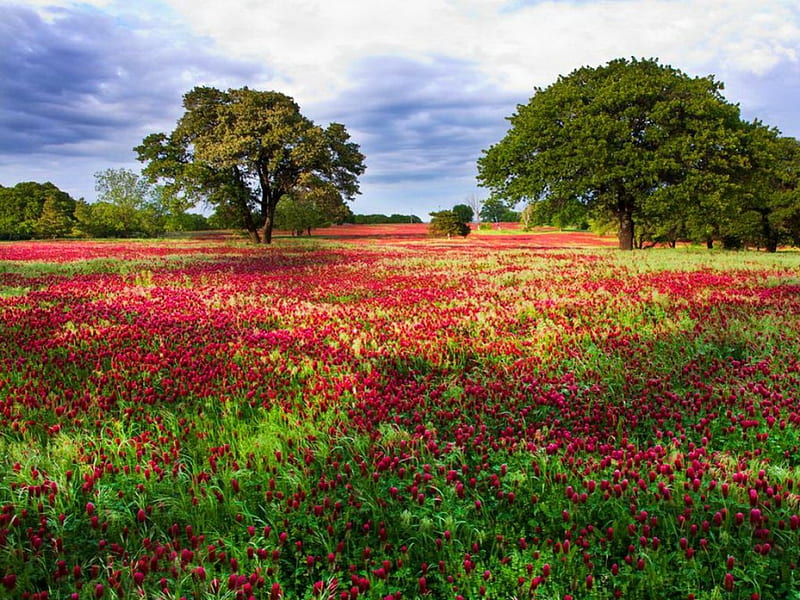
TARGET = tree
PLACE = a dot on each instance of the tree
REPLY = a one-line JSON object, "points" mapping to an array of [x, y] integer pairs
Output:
{"points": [[128, 205], [246, 150], [54, 222], [174, 211], [446, 223], [476, 204], [464, 212], [311, 204], [634, 140], [21, 208], [495, 210], [770, 200], [298, 215], [186, 221]]}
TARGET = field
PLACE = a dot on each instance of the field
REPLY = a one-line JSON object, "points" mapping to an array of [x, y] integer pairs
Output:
{"points": [[371, 414]]}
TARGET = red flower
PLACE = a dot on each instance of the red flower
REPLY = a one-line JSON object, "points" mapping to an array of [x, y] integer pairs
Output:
{"points": [[10, 581], [423, 585], [728, 582]]}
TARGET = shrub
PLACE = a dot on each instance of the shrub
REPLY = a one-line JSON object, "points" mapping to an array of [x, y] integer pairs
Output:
{"points": [[446, 223]]}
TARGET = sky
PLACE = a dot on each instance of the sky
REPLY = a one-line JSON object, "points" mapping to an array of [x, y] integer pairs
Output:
{"points": [[424, 86]]}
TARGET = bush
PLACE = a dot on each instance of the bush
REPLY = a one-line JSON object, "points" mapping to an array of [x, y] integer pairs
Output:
{"points": [[447, 223]]}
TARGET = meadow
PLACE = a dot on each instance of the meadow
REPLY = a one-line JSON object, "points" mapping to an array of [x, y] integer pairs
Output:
{"points": [[373, 414]]}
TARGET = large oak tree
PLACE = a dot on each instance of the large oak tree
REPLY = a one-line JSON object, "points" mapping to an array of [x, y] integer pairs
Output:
{"points": [[243, 150], [631, 140]]}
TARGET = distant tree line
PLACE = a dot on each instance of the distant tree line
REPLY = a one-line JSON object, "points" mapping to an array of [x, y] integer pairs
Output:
{"points": [[646, 149], [455, 221], [378, 219], [127, 206]]}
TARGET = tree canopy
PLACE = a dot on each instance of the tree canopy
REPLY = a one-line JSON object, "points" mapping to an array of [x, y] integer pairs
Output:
{"points": [[245, 150], [768, 212], [496, 210], [632, 140], [309, 209], [464, 212], [127, 206], [30, 209]]}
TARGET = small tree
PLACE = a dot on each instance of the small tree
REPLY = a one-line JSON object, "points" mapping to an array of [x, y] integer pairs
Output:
{"points": [[299, 215], [446, 223], [464, 212], [476, 204], [127, 204], [495, 210], [54, 221]]}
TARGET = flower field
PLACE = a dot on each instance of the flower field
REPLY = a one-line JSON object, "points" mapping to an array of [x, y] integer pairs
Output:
{"points": [[506, 416]]}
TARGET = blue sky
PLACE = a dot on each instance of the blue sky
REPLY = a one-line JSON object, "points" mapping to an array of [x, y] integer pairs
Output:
{"points": [[422, 85]]}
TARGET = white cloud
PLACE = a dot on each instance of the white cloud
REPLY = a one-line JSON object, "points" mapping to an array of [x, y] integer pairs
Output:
{"points": [[422, 85], [312, 44]]}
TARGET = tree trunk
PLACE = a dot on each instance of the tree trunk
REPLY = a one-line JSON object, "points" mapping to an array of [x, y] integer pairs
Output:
{"points": [[770, 235], [266, 229], [241, 204], [710, 243], [269, 201], [625, 233]]}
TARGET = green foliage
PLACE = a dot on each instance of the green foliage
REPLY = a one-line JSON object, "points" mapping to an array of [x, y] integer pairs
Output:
{"points": [[174, 207], [446, 223], [130, 206], [127, 206], [464, 213], [636, 140], [568, 214], [379, 219], [495, 210], [54, 222], [243, 151], [186, 221], [770, 200], [94, 220], [299, 215], [23, 215], [225, 216]]}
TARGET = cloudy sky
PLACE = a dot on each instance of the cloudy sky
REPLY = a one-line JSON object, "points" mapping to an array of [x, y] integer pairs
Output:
{"points": [[422, 85]]}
